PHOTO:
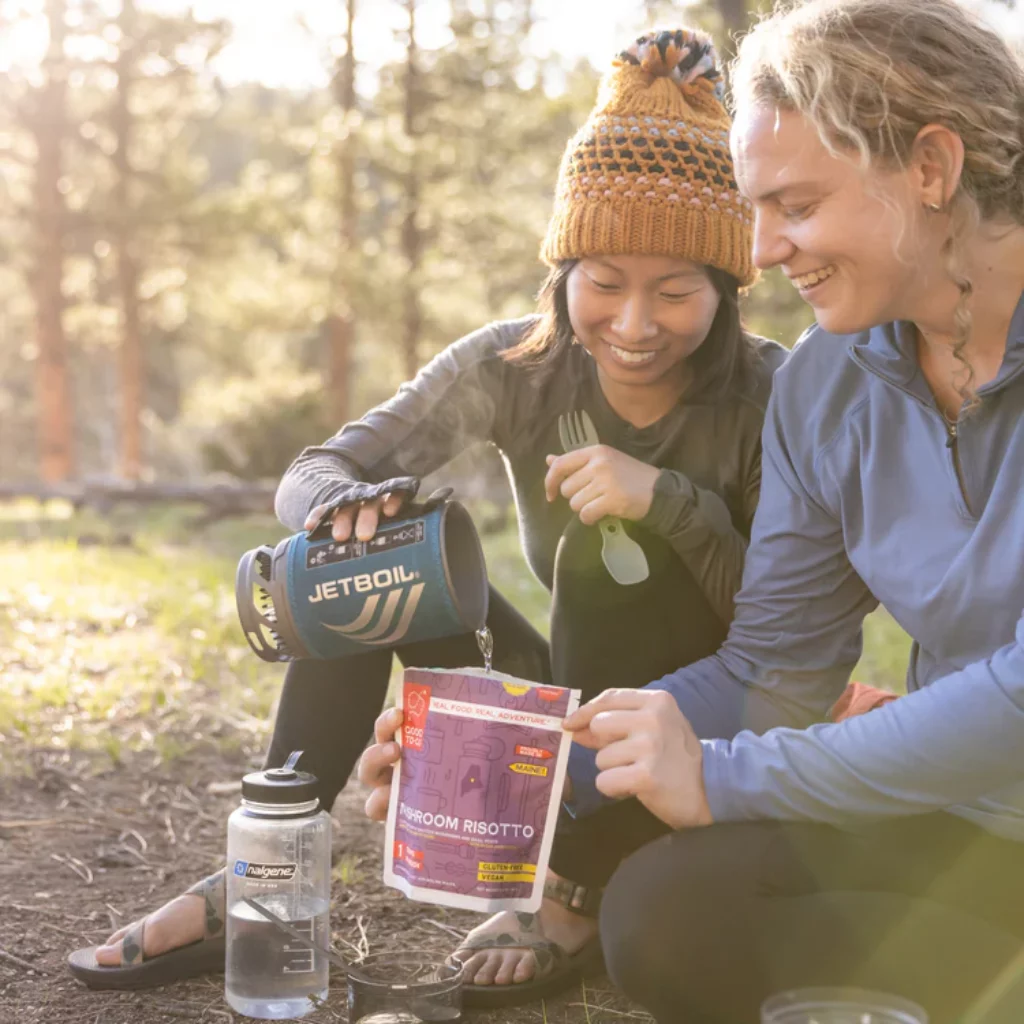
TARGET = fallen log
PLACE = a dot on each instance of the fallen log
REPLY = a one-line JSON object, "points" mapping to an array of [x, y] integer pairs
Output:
{"points": [[219, 498]]}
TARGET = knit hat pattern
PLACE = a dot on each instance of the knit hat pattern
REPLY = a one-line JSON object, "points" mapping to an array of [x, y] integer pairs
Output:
{"points": [[650, 172]]}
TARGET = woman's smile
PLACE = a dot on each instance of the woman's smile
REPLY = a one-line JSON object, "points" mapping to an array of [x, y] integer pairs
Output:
{"points": [[632, 357], [811, 282]]}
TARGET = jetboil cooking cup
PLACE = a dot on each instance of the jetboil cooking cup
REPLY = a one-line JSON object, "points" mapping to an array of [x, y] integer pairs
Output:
{"points": [[421, 576]]}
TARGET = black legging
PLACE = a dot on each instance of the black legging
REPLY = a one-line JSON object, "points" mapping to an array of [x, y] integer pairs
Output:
{"points": [[701, 926], [602, 635]]}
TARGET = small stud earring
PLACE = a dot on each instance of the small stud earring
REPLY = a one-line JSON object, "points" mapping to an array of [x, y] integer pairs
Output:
{"points": [[934, 207]]}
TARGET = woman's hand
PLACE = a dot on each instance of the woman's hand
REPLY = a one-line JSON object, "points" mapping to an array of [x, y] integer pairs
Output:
{"points": [[363, 517], [600, 481], [377, 765], [647, 749]]}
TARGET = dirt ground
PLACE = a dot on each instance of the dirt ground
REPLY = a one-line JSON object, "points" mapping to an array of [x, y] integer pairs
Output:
{"points": [[86, 847]]}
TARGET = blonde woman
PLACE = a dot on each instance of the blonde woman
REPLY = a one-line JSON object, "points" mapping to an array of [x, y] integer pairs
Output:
{"points": [[881, 143]]}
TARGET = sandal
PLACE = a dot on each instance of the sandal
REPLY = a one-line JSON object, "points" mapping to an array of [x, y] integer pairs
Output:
{"points": [[204, 956], [556, 969]]}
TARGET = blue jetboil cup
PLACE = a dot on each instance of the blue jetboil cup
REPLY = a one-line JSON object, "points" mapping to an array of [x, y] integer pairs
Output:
{"points": [[420, 577]]}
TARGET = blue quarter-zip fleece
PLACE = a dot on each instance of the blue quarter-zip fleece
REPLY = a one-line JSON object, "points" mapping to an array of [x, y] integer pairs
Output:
{"points": [[868, 496]]}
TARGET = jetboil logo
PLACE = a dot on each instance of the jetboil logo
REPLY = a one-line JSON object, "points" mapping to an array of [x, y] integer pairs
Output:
{"points": [[265, 872], [395, 616]]}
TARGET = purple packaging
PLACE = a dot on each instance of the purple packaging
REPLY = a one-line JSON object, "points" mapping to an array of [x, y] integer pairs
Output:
{"points": [[472, 817]]}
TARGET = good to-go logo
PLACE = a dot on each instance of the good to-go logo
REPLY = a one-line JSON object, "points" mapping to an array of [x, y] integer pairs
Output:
{"points": [[369, 628], [265, 872], [415, 705]]}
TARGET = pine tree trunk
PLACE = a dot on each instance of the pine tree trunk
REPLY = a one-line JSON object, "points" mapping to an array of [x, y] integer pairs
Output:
{"points": [[411, 242], [340, 326], [338, 338], [56, 440], [131, 361]]}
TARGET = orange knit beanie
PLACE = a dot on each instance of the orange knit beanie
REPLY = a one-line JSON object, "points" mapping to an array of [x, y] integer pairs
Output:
{"points": [[650, 172]]}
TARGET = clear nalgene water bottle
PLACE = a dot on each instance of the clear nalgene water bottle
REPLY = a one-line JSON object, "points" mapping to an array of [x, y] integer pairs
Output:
{"points": [[279, 859]]}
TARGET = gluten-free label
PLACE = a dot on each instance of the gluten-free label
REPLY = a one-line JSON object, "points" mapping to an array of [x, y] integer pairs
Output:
{"points": [[491, 872]]}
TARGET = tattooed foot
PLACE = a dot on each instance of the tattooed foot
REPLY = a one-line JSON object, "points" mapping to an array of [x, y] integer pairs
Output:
{"points": [[512, 947], [185, 919]]}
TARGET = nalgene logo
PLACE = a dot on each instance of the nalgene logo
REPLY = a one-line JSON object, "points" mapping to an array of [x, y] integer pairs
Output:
{"points": [[362, 583], [265, 872]]}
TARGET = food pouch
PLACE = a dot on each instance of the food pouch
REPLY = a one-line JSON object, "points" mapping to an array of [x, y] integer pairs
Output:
{"points": [[472, 817]]}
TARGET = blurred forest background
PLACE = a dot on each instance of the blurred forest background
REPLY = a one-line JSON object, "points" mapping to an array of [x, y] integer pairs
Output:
{"points": [[200, 276], [202, 273]]}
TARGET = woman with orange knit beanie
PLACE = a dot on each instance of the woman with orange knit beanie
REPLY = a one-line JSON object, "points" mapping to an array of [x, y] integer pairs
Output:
{"points": [[638, 332], [638, 326]]}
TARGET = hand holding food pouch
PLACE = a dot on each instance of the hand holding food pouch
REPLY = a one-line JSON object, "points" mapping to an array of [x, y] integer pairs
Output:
{"points": [[472, 816]]}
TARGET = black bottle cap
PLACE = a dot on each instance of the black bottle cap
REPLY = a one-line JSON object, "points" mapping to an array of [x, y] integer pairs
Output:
{"points": [[280, 785]]}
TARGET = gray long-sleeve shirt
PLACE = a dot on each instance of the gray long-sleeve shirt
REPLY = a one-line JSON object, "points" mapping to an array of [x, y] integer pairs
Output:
{"points": [[710, 454], [867, 497]]}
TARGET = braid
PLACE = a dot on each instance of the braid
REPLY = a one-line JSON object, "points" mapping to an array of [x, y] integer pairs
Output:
{"points": [[964, 221]]}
